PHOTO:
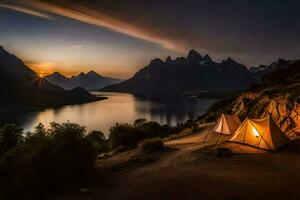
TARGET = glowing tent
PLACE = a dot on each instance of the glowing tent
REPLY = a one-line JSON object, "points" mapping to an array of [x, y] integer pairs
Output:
{"points": [[227, 124], [260, 133]]}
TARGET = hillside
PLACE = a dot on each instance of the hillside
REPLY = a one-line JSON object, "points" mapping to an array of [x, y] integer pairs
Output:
{"points": [[278, 95], [185, 75], [22, 88], [262, 70], [91, 81], [189, 169]]}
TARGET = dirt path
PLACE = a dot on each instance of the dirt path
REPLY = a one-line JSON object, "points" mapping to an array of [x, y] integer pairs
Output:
{"points": [[191, 173]]}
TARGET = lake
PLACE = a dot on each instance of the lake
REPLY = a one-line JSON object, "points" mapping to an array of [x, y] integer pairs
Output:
{"points": [[118, 108]]}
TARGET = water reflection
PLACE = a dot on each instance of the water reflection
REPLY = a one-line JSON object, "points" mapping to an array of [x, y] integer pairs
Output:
{"points": [[120, 108]]}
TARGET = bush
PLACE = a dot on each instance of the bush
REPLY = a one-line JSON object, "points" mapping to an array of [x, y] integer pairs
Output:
{"points": [[10, 137], [152, 145], [47, 160], [124, 135], [97, 138], [139, 122], [130, 135]]}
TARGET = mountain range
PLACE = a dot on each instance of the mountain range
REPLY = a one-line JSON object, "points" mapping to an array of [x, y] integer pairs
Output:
{"points": [[262, 70], [90, 81], [23, 88], [193, 73]]}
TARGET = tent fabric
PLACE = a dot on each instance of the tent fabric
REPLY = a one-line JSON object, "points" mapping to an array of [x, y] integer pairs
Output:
{"points": [[227, 124], [260, 133]]}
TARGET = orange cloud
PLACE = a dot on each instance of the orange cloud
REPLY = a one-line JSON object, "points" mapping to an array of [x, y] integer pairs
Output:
{"points": [[45, 67], [100, 17]]}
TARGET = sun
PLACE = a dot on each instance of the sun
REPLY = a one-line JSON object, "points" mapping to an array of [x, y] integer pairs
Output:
{"points": [[41, 74]]}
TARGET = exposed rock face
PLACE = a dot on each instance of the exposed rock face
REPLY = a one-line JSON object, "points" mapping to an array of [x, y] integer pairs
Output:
{"points": [[284, 111], [278, 96]]}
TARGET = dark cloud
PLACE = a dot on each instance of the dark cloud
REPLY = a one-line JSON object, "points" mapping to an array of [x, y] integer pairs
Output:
{"points": [[253, 31]]}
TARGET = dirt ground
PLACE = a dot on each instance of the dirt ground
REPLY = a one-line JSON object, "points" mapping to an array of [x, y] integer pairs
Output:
{"points": [[191, 170]]}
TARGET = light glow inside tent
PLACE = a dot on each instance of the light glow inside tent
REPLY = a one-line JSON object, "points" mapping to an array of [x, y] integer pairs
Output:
{"points": [[255, 132], [260, 133]]}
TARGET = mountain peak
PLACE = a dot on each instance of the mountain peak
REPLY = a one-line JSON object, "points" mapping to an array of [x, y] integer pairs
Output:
{"points": [[207, 58], [81, 74], [92, 72], [194, 56], [282, 61], [156, 61], [168, 59], [229, 60], [3, 51], [57, 73]]}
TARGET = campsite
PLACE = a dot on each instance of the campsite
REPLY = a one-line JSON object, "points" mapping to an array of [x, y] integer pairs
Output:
{"points": [[192, 169], [149, 100]]}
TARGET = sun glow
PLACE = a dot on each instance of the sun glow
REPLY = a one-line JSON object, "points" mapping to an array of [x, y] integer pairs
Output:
{"points": [[41, 74]]}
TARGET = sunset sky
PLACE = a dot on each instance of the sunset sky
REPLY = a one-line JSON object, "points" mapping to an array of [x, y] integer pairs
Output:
{"points": [[116, 38]]}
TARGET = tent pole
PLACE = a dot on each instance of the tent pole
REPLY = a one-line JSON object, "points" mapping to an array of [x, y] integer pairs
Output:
{"points": [[260, 135], [207, 134], [219, 139], [245, 134]]}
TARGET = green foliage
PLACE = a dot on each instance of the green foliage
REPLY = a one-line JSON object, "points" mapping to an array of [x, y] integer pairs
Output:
{"points": [[97, 138], [124, 135], [130, 135], [10, 137], [139, 122], [46, 160], [152, 145]]}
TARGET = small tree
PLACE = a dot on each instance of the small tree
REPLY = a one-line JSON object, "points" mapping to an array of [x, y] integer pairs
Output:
{"points": [[123, 135], [139, 122], [10, 137], [99, 141]]}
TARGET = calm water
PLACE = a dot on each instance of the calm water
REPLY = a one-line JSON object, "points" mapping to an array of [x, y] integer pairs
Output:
{"points": [[120, 108]]}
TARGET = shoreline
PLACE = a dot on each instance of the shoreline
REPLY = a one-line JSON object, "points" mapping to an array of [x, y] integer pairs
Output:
{"points": [[36, 108]]}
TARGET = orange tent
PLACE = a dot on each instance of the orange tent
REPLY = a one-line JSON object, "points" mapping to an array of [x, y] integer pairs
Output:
{"points": [[260, 133]]}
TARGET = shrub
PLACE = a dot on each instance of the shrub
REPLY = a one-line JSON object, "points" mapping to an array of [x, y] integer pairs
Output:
{"points": [[139, 122], [123, 135], [154, 129], [75, 154], [47, 160], [130, 135], [97, 138], [152, 145], [10, 137]]}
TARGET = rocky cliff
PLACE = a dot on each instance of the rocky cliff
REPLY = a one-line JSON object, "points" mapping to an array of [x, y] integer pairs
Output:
{"points": [[278, 96]]}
